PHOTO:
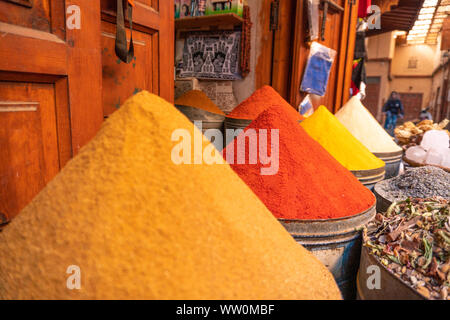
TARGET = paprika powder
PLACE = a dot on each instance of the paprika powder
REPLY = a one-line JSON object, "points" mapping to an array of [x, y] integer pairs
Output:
{"points": [[310, 183], [259, 101]]}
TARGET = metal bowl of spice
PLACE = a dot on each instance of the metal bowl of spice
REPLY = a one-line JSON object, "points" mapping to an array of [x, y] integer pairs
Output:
{"points": [[336, 243], [409, 245], [424, 182]]}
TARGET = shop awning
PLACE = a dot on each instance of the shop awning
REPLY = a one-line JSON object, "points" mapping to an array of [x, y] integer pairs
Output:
{"points": [[400, 17]]}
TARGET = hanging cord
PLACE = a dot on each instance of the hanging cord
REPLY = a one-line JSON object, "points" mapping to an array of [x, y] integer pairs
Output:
{"points": [[121, 35]]}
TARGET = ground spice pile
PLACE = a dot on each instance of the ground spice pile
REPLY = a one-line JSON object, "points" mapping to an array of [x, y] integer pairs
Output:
{"points": [[310, 183], [140, 227], [198, 99], [326, 129], [423, 182], [361, 123], [259, 101]]}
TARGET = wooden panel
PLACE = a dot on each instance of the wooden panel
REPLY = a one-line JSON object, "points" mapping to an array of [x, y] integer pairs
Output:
{"points": [[85, 74], [206, 22], [35, 15], [445, 45], [345, 62], [31, 51], [153, 68], [166, 49], [121, 80], [282, 48], [28, 142], [263, 69]]}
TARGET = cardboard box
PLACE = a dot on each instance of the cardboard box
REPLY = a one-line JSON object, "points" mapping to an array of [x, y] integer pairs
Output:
{"points": [[224, 6]]}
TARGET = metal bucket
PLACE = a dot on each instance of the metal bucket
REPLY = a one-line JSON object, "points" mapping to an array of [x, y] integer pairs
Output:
{"points": [[392, 161], [336, 243], [233, 123], [391, 287], [209, 120], [370, 177], [382, 203]]}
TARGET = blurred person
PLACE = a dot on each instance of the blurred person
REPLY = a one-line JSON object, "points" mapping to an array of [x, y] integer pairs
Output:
{"points": [[393, 109], [425, 114]]}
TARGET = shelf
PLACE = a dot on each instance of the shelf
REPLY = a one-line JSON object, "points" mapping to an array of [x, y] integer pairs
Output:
{"points": [[217, 21]]}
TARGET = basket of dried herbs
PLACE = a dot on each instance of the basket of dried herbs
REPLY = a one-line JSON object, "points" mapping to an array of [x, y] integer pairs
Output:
{"points": [[412, 241]]}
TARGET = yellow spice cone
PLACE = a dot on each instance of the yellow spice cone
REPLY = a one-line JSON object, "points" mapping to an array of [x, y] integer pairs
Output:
{"points": [[140, 227], [326, 129]]}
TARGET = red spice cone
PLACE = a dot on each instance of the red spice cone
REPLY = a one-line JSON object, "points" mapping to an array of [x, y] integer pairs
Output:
{"points": [[310, 183], [259, 101]]}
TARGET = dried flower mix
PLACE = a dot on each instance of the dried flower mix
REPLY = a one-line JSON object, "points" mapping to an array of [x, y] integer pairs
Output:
{"points": [[412, 240]]}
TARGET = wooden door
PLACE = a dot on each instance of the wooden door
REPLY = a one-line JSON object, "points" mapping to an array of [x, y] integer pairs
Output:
{"points": [[50, 80], [152, 68], [371, 102], [51, 98], [412, 102]]}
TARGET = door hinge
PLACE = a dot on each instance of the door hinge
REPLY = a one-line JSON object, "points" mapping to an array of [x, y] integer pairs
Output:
{"points": [[274, 12]]}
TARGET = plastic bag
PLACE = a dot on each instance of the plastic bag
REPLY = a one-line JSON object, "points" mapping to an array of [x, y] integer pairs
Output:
{"points": [[313, 19], [306, 108], [317, 72]]}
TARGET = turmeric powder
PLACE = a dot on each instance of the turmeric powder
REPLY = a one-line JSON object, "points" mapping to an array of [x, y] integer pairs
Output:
{"points": [[198, 99], [326, 129], [139, 226]]}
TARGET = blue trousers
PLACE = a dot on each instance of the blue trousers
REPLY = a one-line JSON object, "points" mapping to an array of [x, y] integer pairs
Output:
{"points": [[391, 121]]}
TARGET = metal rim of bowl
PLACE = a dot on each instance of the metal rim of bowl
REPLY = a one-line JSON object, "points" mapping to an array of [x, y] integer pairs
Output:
{"points": [[372, 259], [389, 155], [322, 227], [185, 110], [372, 173]]}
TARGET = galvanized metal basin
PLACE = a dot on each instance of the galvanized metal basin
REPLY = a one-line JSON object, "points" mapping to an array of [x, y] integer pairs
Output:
{"points": [[370, 177], [208, 120], [382, 203], [336, 243], [233, 123], [391, 287], [392, 161]]}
